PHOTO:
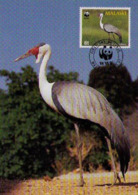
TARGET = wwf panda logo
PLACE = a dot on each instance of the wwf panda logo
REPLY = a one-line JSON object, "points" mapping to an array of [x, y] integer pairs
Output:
{"points": [[86, 14], [106, 53]]}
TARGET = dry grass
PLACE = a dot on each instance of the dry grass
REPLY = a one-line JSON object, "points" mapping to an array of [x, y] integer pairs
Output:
{"points": [[95, 183]]}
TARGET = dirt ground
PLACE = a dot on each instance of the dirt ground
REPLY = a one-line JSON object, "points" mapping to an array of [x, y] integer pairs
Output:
{"points": [[95, 184]]}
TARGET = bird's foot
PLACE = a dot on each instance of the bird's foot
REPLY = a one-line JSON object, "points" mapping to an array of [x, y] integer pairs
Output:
{"points": [[81, 183], [116, 177]]}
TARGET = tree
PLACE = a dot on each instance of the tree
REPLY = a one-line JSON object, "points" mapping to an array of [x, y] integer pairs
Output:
{"points": [[135, 89], [116, 84], [31, 134]]}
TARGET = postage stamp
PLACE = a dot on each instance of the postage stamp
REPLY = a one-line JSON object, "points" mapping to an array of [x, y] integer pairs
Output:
{"points": [[97, 23]]}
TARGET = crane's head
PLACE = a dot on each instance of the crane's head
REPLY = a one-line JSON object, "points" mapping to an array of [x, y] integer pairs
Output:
{"points": [[100, 15], [38, 51]]}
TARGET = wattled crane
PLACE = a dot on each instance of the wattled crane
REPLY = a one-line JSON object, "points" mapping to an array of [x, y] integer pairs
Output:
{"points": [[79, 102], [110, 29]]}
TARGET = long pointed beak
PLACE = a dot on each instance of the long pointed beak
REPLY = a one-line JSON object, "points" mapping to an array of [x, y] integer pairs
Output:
{"points": [[23, 56]]}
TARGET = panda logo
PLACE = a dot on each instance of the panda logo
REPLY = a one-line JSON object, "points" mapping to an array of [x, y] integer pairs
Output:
{"points": [[106, 53], [86, 14]]}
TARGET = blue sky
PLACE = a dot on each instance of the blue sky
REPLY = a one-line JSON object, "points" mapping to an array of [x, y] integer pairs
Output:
{"points": [[25, 23]]}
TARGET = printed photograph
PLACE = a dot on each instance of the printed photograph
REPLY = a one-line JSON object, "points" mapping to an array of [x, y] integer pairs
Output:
{"points": [[104, 23]]}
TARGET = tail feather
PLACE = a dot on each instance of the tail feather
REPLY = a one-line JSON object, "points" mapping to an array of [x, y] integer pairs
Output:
{"points": [[123, 150], [120, 139], [120, 39], [118, 33]]}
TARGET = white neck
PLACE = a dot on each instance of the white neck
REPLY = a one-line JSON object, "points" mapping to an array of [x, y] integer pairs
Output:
{"points": [[101, 24], [44, 86], [43, 69]]}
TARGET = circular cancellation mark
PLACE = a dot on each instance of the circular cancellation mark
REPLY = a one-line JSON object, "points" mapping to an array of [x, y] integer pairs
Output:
{"points": [[105, 52]]}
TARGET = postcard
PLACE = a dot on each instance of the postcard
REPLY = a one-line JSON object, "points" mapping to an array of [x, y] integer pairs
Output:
{"points": [[69, 97]]}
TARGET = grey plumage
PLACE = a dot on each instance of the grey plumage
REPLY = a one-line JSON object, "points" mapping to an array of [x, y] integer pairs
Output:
{"points": [[112, 29], [82, 102]]}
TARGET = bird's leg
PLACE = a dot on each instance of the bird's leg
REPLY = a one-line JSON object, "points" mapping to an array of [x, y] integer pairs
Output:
{"points": [[113, 36], [79, 150], [116, 174], [109, 36]]}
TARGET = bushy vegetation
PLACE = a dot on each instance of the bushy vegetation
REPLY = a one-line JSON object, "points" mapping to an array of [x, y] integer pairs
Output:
{"points": [[117, 86], [36, 141], [31, 134]]}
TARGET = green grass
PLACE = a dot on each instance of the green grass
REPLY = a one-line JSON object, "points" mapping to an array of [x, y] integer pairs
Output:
{"points": [[92, 32]]}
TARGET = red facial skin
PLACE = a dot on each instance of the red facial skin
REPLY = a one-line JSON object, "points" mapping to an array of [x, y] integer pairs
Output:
{"points": [[34, 51]]}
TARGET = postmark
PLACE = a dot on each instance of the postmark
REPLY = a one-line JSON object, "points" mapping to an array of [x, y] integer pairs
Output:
{"points": [[98, 23], [105, 52]]}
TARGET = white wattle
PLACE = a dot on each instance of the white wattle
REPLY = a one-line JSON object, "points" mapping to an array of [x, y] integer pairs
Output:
{"points": [[44, 86]]}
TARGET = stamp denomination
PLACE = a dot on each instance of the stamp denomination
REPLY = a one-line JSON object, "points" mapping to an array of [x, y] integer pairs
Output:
{"points": [[104, 23], [105, 52]]}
